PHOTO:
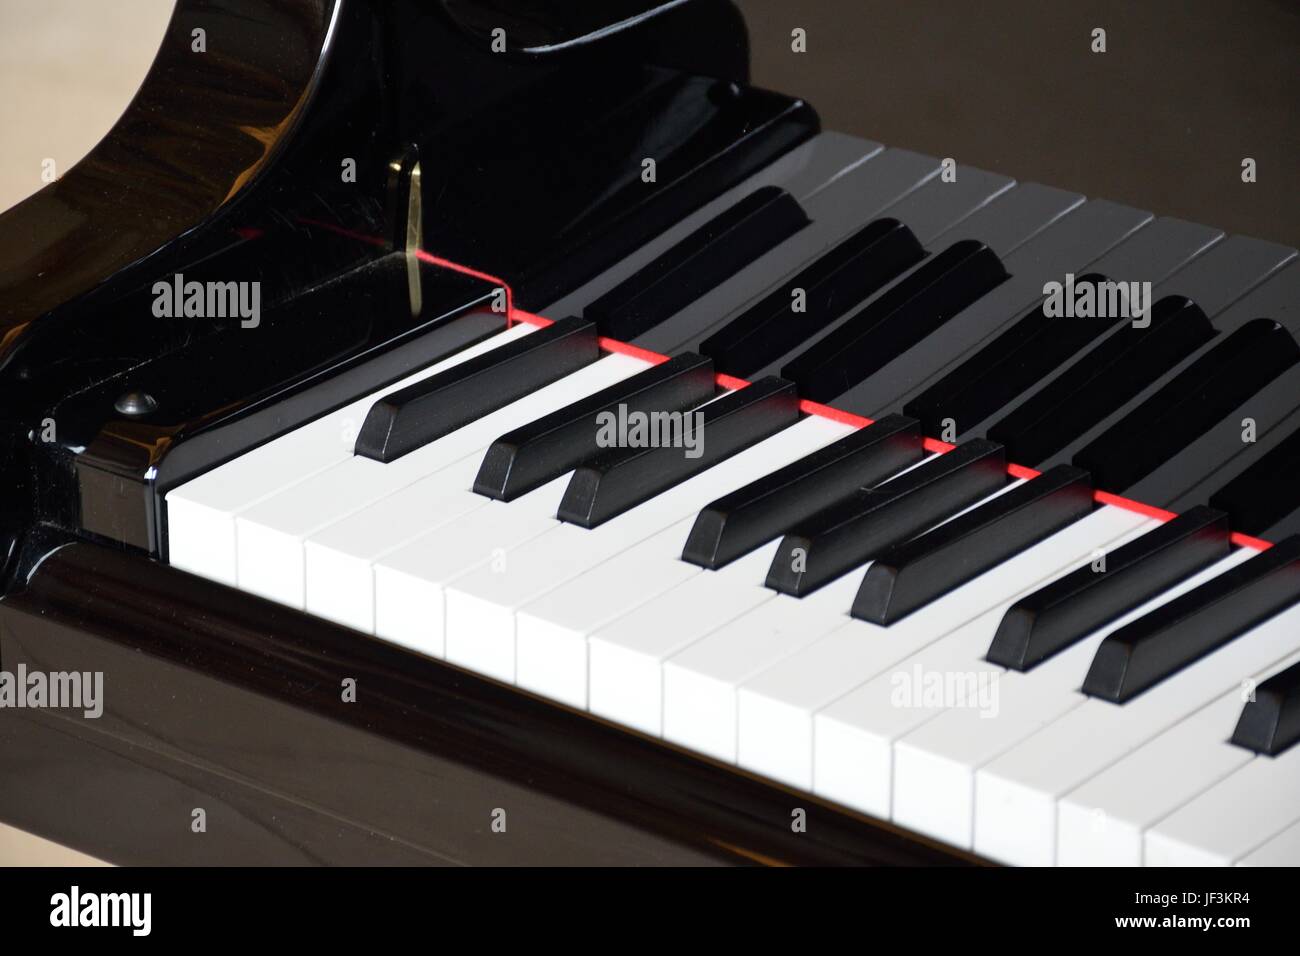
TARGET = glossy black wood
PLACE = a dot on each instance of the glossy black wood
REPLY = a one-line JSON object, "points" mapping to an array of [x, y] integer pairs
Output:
{"points": [[548, 26], [121, 802], [201, 128], [230, 166], [213, 694], [109, 471]]}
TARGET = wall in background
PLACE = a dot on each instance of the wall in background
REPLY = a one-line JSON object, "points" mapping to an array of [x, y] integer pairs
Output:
{"points": [[1161, 120], [68, 68]]}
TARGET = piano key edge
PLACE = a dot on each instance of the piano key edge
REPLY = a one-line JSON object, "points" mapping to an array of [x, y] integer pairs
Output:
{"points": [[190, 644]]}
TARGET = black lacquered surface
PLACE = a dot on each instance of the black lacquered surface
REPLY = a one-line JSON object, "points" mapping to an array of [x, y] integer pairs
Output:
{"points": [[212, 688], [530, 168]]}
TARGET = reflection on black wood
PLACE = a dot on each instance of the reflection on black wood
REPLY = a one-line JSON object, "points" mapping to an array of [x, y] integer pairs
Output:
{"points": [[202, 675]]}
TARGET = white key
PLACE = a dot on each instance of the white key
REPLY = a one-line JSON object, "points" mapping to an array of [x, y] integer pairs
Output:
{"points": [[1281, 850], [270, 535], [553, 632], [781, 727], [481, 605], [343, 560], [1239, 814], [626, 657], [551, 651], [338, 559], [934, 765], [410, 582], [700, 682], [411, 579], [1102, 822], [1016, 794], [201, 513], [410, 606]]}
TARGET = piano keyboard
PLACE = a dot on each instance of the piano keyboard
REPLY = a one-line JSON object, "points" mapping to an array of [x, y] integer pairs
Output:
{"points": [[980, 643]]}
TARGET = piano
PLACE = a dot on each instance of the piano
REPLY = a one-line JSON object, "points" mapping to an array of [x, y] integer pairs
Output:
{"points": [[492, 431]]}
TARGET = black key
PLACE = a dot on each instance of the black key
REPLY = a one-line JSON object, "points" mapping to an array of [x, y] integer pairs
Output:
{"points": [[900, 318], [1231, 305], [737, 523], [424, 411], [851, 532], [1102, 381], [1221, 445], [914, 573], [1074, 606], [1268, 435], [1270, 723], [1199, 397], [1011, 364], [1264, 500], [1158, 645], [528, 457], [835, 283], [706, 258], [1079, 237], [621, 478]]}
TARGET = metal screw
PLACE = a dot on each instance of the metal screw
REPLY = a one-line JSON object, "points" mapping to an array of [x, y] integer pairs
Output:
{"points": [[136, 403]]}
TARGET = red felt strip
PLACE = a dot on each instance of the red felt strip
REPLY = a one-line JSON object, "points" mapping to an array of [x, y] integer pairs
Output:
{"points": [[811, 408]]}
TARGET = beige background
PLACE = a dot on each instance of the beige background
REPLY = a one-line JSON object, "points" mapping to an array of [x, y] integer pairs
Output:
{"points": [[68, 68], [23, 849]]}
